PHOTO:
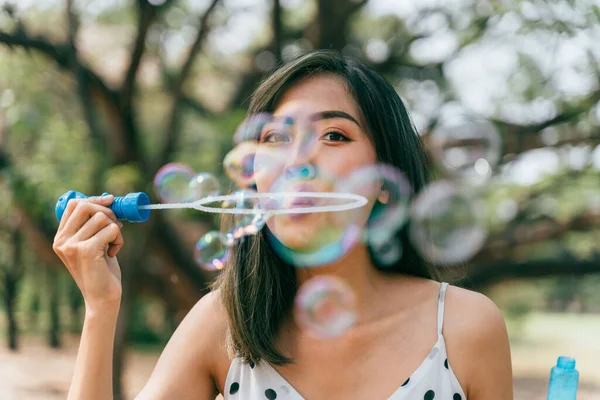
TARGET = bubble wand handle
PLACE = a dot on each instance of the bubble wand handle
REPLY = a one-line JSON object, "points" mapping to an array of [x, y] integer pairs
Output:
{"points": [[128, 207]]}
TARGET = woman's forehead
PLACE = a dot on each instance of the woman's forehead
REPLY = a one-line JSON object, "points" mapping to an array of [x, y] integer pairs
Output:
{"points": [[317, 94]]}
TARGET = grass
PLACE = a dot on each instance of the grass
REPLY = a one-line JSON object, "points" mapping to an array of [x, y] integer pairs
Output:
{"points": [[538, 340]]}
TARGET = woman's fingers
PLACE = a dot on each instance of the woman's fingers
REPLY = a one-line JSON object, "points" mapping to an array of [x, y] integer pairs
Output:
{"points": [[93, 225], [72, 204], [109, 235], [82, 211]]}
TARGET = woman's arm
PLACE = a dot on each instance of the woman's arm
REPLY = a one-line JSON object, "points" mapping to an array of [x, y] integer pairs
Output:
{"points": [[92, 378], [186, 367], [478, 347]]}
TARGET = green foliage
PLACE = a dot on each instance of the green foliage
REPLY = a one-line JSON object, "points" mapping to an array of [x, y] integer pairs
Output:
{"points": [[144, 327]]}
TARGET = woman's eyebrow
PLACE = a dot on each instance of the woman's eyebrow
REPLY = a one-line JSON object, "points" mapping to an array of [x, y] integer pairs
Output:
{"points": [[333, 114]]}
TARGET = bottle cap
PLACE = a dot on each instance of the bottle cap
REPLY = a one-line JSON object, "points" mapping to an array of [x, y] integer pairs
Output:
{"points": [[565, 362]]}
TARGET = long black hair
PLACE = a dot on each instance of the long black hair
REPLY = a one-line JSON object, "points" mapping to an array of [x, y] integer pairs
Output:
{"points": [[257, 288]]}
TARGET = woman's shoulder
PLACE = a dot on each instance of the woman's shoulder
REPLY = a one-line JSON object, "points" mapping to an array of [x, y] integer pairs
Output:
{"points": [[208, 318], [476, 337], [471, 314]]}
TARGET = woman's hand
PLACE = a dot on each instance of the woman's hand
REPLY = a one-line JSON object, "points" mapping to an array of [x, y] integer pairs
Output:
{"points": [[87, 241]]}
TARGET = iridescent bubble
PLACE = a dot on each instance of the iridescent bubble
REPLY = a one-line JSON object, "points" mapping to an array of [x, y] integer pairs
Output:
{"points": [[251, 128], [211, 251], [467, 147], [390, 193], [325, 306], [244, 224], [308, 239], [274, 151], [172, 183], [284, 140], [239, 164], [204, 185], [305, 135], [447, 224], [387, 253]]}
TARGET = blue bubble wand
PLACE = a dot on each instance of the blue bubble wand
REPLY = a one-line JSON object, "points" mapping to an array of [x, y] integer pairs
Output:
{"points": [[135, 207]]}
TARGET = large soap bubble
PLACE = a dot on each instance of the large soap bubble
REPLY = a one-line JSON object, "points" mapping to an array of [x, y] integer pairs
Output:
{"points": [[467, 147], [309, 239], [172, 183], [325, 307], [447, 224]]}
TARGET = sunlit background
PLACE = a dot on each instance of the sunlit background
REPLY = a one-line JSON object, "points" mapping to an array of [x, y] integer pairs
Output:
{"points": [[97, 95]]}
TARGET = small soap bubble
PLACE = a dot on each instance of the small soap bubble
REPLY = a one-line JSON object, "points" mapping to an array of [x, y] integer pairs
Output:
{"points": [[172, 183], [251, 128], [447, 224], [390, 193], [325, 306], [239, 164], [387, 253], [211, 252], [467, 147], [244, 224], [204, 185]]}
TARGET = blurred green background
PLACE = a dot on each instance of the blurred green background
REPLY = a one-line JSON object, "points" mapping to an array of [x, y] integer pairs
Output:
{"points": [[96, 95]]}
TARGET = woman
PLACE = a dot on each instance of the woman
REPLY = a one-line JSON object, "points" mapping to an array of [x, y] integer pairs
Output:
{"points": [[414, 337]]}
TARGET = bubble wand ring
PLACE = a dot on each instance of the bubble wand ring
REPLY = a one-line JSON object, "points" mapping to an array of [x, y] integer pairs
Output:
{"points": [[357, 201]]}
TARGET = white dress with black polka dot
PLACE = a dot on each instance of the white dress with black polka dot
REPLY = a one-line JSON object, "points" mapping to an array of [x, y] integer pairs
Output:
{"points": [[433, 379]]}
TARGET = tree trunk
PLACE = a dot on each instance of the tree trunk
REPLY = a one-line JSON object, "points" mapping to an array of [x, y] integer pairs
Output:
{"points": [[54, 326], [75, 301], [129, 267], [10, 294]]}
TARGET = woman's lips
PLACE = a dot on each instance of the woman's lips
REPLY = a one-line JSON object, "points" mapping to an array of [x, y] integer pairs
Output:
{"points": [[299, 202]]}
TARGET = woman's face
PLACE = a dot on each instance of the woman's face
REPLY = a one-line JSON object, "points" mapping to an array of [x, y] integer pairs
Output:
{"points": [[316, 139]]}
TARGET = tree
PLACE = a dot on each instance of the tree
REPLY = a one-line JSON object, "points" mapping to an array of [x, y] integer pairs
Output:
{"points": [[128, 137], [11, 272]]}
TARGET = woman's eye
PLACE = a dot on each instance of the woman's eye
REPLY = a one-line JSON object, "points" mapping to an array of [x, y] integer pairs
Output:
{"points": [[336, 137], [275, 137]]}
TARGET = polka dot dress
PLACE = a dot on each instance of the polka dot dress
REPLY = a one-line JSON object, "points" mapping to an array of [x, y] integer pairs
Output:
{"points": [[432, 380]]}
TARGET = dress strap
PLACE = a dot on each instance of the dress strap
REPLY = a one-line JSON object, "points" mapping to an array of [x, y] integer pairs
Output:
{"points": [[441, 300]]}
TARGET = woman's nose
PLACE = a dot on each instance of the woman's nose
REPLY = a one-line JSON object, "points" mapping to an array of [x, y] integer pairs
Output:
{"points": [[304, 147], [302, 172]]}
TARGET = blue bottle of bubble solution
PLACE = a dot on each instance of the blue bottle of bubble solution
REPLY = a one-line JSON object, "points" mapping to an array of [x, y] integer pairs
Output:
{"points": [[564, 379]]}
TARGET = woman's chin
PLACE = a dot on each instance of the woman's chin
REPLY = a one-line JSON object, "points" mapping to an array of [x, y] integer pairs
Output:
{"points": [[297, 239]]}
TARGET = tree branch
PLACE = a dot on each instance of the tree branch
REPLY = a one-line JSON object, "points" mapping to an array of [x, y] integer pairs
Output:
{"points": [[194, 105], [83, 91], [520, 138], [506, 243], [174, 124], [276, 26], [57, 52], [147, 14], [567, 265]]}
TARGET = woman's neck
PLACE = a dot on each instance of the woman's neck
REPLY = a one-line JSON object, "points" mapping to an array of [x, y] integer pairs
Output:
{"points": [[357, 270]]}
